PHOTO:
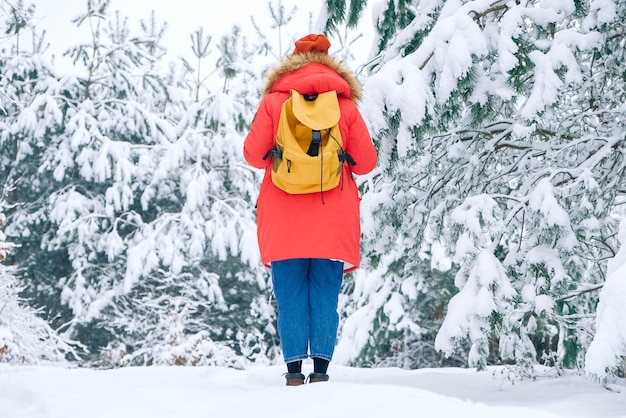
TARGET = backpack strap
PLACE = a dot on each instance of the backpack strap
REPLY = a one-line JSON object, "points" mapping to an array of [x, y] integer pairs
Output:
{"points": [[345, 157], [316, 141], [274, 153]]}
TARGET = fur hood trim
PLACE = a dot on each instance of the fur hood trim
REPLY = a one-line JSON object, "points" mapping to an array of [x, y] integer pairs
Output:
{"points": [[296, 61]]}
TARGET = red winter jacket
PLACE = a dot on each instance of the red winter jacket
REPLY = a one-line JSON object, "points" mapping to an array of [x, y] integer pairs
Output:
{"points": [[305, 226]]}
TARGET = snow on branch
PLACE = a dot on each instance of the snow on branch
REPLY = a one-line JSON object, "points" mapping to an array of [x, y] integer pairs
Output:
{"points": [[608, 348]]}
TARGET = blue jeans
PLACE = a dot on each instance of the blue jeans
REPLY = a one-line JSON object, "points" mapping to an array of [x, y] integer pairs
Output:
{"points": [[307, 293]]}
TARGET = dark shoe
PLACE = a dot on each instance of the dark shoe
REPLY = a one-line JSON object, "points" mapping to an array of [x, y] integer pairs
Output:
{"points": [[294, 379], [318, 377]]}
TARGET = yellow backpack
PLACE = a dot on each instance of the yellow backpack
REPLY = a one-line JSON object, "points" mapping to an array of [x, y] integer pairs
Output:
{"points": [[308, 154]]}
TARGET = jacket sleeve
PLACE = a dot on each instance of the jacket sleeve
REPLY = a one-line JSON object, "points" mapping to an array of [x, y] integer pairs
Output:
{"points": [[360, 145], [260, 138]]}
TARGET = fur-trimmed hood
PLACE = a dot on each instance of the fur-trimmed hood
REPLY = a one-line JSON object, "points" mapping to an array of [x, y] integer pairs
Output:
{"points": [[296, 61]]}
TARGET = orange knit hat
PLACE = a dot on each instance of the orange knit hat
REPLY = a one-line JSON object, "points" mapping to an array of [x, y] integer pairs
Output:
{"points": [[312, 42]]}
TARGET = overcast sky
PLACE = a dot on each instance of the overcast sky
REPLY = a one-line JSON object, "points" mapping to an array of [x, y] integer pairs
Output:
{"points": [[183, 18]]}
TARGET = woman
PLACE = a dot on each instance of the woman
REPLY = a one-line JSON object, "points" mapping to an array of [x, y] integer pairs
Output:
{"points": [[309, 242]]}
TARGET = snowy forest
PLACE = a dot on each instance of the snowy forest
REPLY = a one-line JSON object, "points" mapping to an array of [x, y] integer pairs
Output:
{"points": [[493, 228]]}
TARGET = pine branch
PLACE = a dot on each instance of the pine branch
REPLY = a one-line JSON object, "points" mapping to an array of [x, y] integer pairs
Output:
{"points": [[421, 67], [495, 7], [476, 16], [575, 294]]}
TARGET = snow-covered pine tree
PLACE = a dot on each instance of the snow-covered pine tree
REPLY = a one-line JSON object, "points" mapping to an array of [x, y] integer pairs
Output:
{"points": [[97, 227], [29, 116], [195, 265], [498, 133], [122, 251], [82, 134], [25, 338]]}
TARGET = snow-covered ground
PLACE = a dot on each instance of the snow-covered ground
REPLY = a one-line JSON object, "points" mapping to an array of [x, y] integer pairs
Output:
{"points": [[160, 392]]}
